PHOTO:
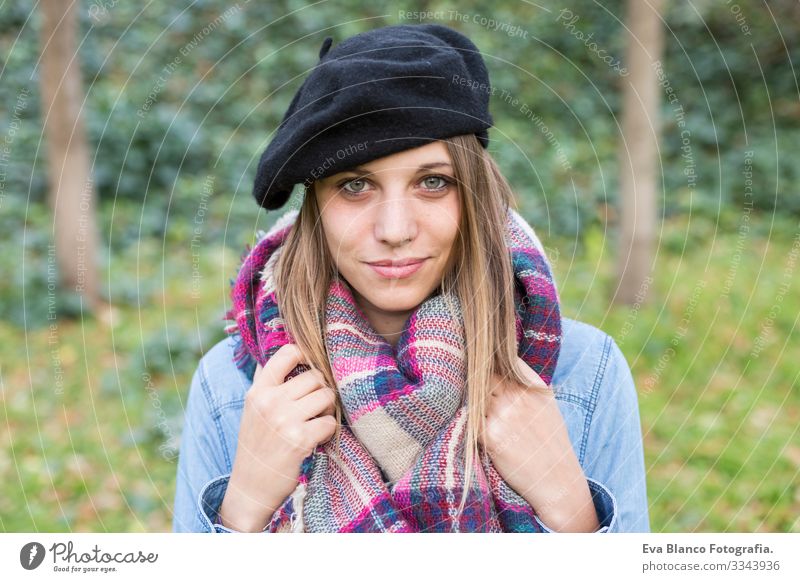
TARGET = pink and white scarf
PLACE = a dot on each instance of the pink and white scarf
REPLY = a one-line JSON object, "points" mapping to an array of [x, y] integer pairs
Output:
{"points": [[401, 464]]}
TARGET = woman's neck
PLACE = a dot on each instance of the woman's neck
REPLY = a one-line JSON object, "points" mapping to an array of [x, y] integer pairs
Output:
{"points": [[388, 324]]}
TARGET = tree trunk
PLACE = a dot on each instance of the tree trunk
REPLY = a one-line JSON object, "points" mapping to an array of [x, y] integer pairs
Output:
{"points": [[638, 153], [71, 191]]}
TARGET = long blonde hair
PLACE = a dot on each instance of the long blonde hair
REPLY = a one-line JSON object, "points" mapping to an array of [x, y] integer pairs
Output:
{"points": [[481, 277]]}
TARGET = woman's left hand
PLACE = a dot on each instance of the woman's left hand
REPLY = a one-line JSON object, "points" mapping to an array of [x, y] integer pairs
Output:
{"points": [[528, 443]]}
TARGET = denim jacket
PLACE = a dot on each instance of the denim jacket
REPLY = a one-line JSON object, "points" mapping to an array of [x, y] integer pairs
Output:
{"points": [[593, 387]]}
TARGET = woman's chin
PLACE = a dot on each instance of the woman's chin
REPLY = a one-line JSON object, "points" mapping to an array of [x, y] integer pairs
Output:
{"points": [[396, 299]]}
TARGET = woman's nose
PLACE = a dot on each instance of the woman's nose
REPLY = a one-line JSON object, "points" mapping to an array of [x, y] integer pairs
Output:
{"points": [[395, 221]]}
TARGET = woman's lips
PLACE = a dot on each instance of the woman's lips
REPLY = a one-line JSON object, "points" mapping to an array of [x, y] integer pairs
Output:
{"points": [[398, 272]]}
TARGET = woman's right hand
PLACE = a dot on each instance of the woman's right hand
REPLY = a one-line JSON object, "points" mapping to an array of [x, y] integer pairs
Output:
{"points": [[282, 423]]}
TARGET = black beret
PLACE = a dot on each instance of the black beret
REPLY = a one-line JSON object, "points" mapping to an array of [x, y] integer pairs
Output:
{"points": [[374, 94]]}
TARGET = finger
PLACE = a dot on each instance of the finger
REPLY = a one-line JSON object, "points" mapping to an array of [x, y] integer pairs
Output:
{"points": [[304, 383], [490, 402], [528, 372], [482, 433], [322, 428], [309, 381], [259, 373], [316, 403], [496, 386], [281, 363]]}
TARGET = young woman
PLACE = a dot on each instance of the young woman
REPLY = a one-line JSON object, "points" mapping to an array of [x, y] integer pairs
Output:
{"points": [[397, 361]]}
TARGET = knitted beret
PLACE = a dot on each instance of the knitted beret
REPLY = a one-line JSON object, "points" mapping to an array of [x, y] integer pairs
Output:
{"points": [[374, 94]]}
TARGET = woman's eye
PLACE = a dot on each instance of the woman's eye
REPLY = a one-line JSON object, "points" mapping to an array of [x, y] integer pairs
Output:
{"points": [[431, 182], [359, 185], [357, 182]]}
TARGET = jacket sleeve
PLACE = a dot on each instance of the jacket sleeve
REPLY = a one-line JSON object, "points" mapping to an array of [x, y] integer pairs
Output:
{"points": [[203, 472], [614, 455], [604, 505]]}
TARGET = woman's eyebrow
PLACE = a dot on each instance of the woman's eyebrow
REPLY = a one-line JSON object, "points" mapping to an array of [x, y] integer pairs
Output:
{"points": [[362, 170], [434, 165]]}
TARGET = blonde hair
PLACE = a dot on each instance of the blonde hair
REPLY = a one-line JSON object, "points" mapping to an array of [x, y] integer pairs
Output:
{"points": [[481, 276]]}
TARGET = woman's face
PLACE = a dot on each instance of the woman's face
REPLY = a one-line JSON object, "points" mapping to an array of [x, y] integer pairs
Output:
{"points": [[403, 208]]}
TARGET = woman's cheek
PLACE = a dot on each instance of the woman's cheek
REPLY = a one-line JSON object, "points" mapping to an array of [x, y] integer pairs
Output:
{"points": [[339, 248]]}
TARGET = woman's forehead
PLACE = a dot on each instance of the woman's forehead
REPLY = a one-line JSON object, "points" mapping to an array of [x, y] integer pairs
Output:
{"points": [[429, 156]]}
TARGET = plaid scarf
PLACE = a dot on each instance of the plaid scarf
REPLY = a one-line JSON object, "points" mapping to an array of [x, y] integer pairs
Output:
{"points": [[401, 464]]}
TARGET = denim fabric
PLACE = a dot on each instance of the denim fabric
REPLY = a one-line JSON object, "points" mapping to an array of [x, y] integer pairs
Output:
{"points": [[594, 390]]}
